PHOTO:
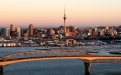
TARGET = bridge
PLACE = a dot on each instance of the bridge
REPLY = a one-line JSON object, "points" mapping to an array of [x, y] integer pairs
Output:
{"points": [[54, 54]]}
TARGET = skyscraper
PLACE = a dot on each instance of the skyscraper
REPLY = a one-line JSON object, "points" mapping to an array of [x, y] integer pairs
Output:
{"points": [[64, 23], [12, 27], [6, 33], [18, 32], [31, 27], [12, 31]]}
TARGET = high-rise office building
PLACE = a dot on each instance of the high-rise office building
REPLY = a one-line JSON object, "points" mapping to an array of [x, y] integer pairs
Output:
{"points": [[71, 29], [25, 36], [31, 27], [18, 32], [12, 31], [12, 27], [2, 32], [6, 33]]}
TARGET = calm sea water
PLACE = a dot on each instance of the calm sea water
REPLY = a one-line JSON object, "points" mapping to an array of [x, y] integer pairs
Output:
{"points": [[56, 67]]}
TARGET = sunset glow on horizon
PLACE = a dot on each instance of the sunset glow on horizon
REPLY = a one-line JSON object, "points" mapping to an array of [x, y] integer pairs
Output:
{"points": [[50, 12]]}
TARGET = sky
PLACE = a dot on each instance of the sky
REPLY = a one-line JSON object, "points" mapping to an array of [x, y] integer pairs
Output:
{"points": [[49, 13]]}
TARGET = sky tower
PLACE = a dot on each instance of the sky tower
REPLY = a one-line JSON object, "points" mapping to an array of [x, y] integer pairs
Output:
{"points": [[64, 22]]}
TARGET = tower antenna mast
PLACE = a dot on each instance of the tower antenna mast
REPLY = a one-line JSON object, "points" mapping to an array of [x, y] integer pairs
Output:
{"points": [[64, 22]]}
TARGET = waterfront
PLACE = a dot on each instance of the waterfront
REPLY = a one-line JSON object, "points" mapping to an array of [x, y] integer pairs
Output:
{"points": [[56, 67]]}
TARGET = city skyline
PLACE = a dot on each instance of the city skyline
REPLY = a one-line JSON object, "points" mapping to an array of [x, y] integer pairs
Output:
{"points": [[49, 13]]}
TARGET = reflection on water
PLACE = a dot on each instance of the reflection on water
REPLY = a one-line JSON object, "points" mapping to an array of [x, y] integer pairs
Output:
{"points": [[87, 74]]}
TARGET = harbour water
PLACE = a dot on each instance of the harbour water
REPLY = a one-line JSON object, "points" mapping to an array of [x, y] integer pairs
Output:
{"points": [[56, 67]]}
